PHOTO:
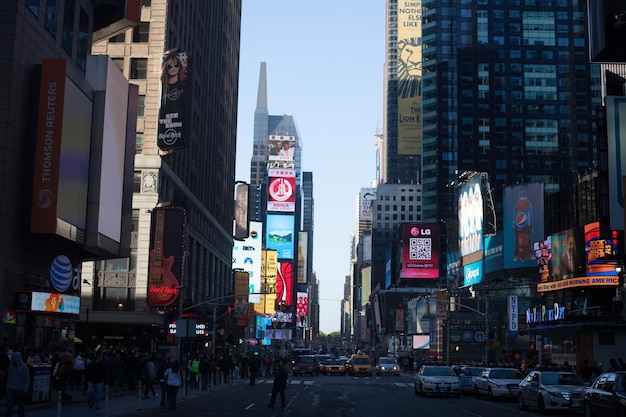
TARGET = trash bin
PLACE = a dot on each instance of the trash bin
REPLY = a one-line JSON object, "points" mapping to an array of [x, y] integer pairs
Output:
{"points": [[39, 390]]}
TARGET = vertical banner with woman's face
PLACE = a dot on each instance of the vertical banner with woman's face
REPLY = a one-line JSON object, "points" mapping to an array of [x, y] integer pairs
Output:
{"points": [[174, 80]]}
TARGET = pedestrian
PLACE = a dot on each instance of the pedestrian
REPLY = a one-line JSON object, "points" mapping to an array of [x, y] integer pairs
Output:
{"points": [[148, 377], [281, 373], [95, 375], [18, 382], [254, 364], [174, 380], [164, 365], [585, 371]]}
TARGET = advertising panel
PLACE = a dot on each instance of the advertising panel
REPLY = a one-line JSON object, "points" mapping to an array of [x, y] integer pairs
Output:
{"points": [[241, 311], [543, 254], [367, 197], [523, 214], [269, 271], [281, 194], [409, 79], [167, 245], [302, 309], [473, 273], [568, 254], [280, 234], [247, 257], [420, 251], [303, 250], [597, 248], [174, 99], [282, 148], [61, 170], [55, 303], [470, 214], [421, 341], [284, 283], [494, 253], [242, 227]]}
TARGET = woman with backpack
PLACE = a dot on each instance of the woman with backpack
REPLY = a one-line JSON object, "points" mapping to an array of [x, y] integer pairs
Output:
{"points": [[174, 380]]}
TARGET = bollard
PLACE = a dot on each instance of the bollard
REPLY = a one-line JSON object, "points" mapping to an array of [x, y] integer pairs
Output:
{"points": [[59, 402], [139, 396]]}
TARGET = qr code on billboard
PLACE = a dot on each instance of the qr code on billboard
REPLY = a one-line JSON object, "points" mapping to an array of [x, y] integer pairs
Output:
{"points": [[420, 249]]}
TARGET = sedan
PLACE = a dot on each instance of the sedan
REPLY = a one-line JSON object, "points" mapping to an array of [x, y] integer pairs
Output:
{"points": [[467, 377], [387, 366], [606, 396], [551, 390], [498, 383], [435, 379], [333, 367]]}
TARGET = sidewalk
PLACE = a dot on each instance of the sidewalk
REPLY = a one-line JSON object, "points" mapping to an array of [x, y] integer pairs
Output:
{"points": [[121, 403]]}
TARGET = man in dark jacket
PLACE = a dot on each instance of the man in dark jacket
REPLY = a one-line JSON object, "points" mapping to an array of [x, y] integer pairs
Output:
{"points": [[18, 382], [281, 374], [95, 375]]}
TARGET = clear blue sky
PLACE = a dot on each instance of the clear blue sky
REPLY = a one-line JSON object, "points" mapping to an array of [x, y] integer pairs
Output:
{"points": [[325, 68]]}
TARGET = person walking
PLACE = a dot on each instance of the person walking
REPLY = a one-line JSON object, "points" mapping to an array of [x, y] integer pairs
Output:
{"points": [[95, 375], [254, 364], [164, 365], [18, 382], [149, 374], [281, 373], [174, 380]]}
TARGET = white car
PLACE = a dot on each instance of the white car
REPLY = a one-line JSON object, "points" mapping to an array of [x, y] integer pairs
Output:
{"points": [[467, 375], [551, 390], [498, 383], [437, 380]]}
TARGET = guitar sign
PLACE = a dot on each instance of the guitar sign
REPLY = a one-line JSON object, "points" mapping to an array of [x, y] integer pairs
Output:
{"points": [[162, 283]]}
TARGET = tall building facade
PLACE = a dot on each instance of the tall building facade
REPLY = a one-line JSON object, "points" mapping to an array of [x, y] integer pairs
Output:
{"points": [[193, 171]]}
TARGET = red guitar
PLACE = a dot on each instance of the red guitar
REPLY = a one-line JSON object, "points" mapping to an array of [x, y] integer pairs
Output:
{"points": [[162, 283]]}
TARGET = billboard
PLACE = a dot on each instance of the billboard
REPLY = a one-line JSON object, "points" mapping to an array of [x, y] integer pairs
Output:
{"points": [[597, 248], [543, 254], [606, 21], [302, 309], [55, 303], [420, 251], [523, 214], [366, 202], [409, 64], [494, 253], [281, 193], [285, 278], [167, 246], [269, 271], [568, 254], [241, 311], [174, 99], [470, 213], [280, 235], [62, 152], [282, 148], [303, 251], [247, 257], [242, 193], [473, 273], [616, 135]]}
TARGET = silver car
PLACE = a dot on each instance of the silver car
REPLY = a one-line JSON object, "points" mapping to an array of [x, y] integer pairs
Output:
{"points": [[437, 380], [551, 390], [498, 383], [388, 366]]}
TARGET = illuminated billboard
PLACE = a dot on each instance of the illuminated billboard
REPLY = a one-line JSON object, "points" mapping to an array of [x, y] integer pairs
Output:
{"points": [[568, 254], [597, 249], [281, 193], [409, 64], [174, 98], [280, 235], [240, 285], [543, 254], [302, 309], [473, 273], [55, 303], [494, 253], [285, 278], [167, 246], [242, 192], [523, 214], [282, 148], [420, 251], [247, 257], [269, 272], [470, 213], [303, 251], [616, 158]]}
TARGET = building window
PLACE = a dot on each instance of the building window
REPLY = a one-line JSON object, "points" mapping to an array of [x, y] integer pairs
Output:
{"points": [[140, 32], [83, 39], [119, 38], [33, 6], [139, 143], [119, 62], [51, 17], [138, 68], [68, 27], [146, 3], [137, 182], [141, 106]]}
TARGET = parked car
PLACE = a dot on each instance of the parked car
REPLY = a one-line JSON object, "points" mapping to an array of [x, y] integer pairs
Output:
{"points": [[333, 367], [306, 364], [498, 383], [360, 364], [437, 380], [467, 375], [606, 396], [387, 366], [551, 390]]}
